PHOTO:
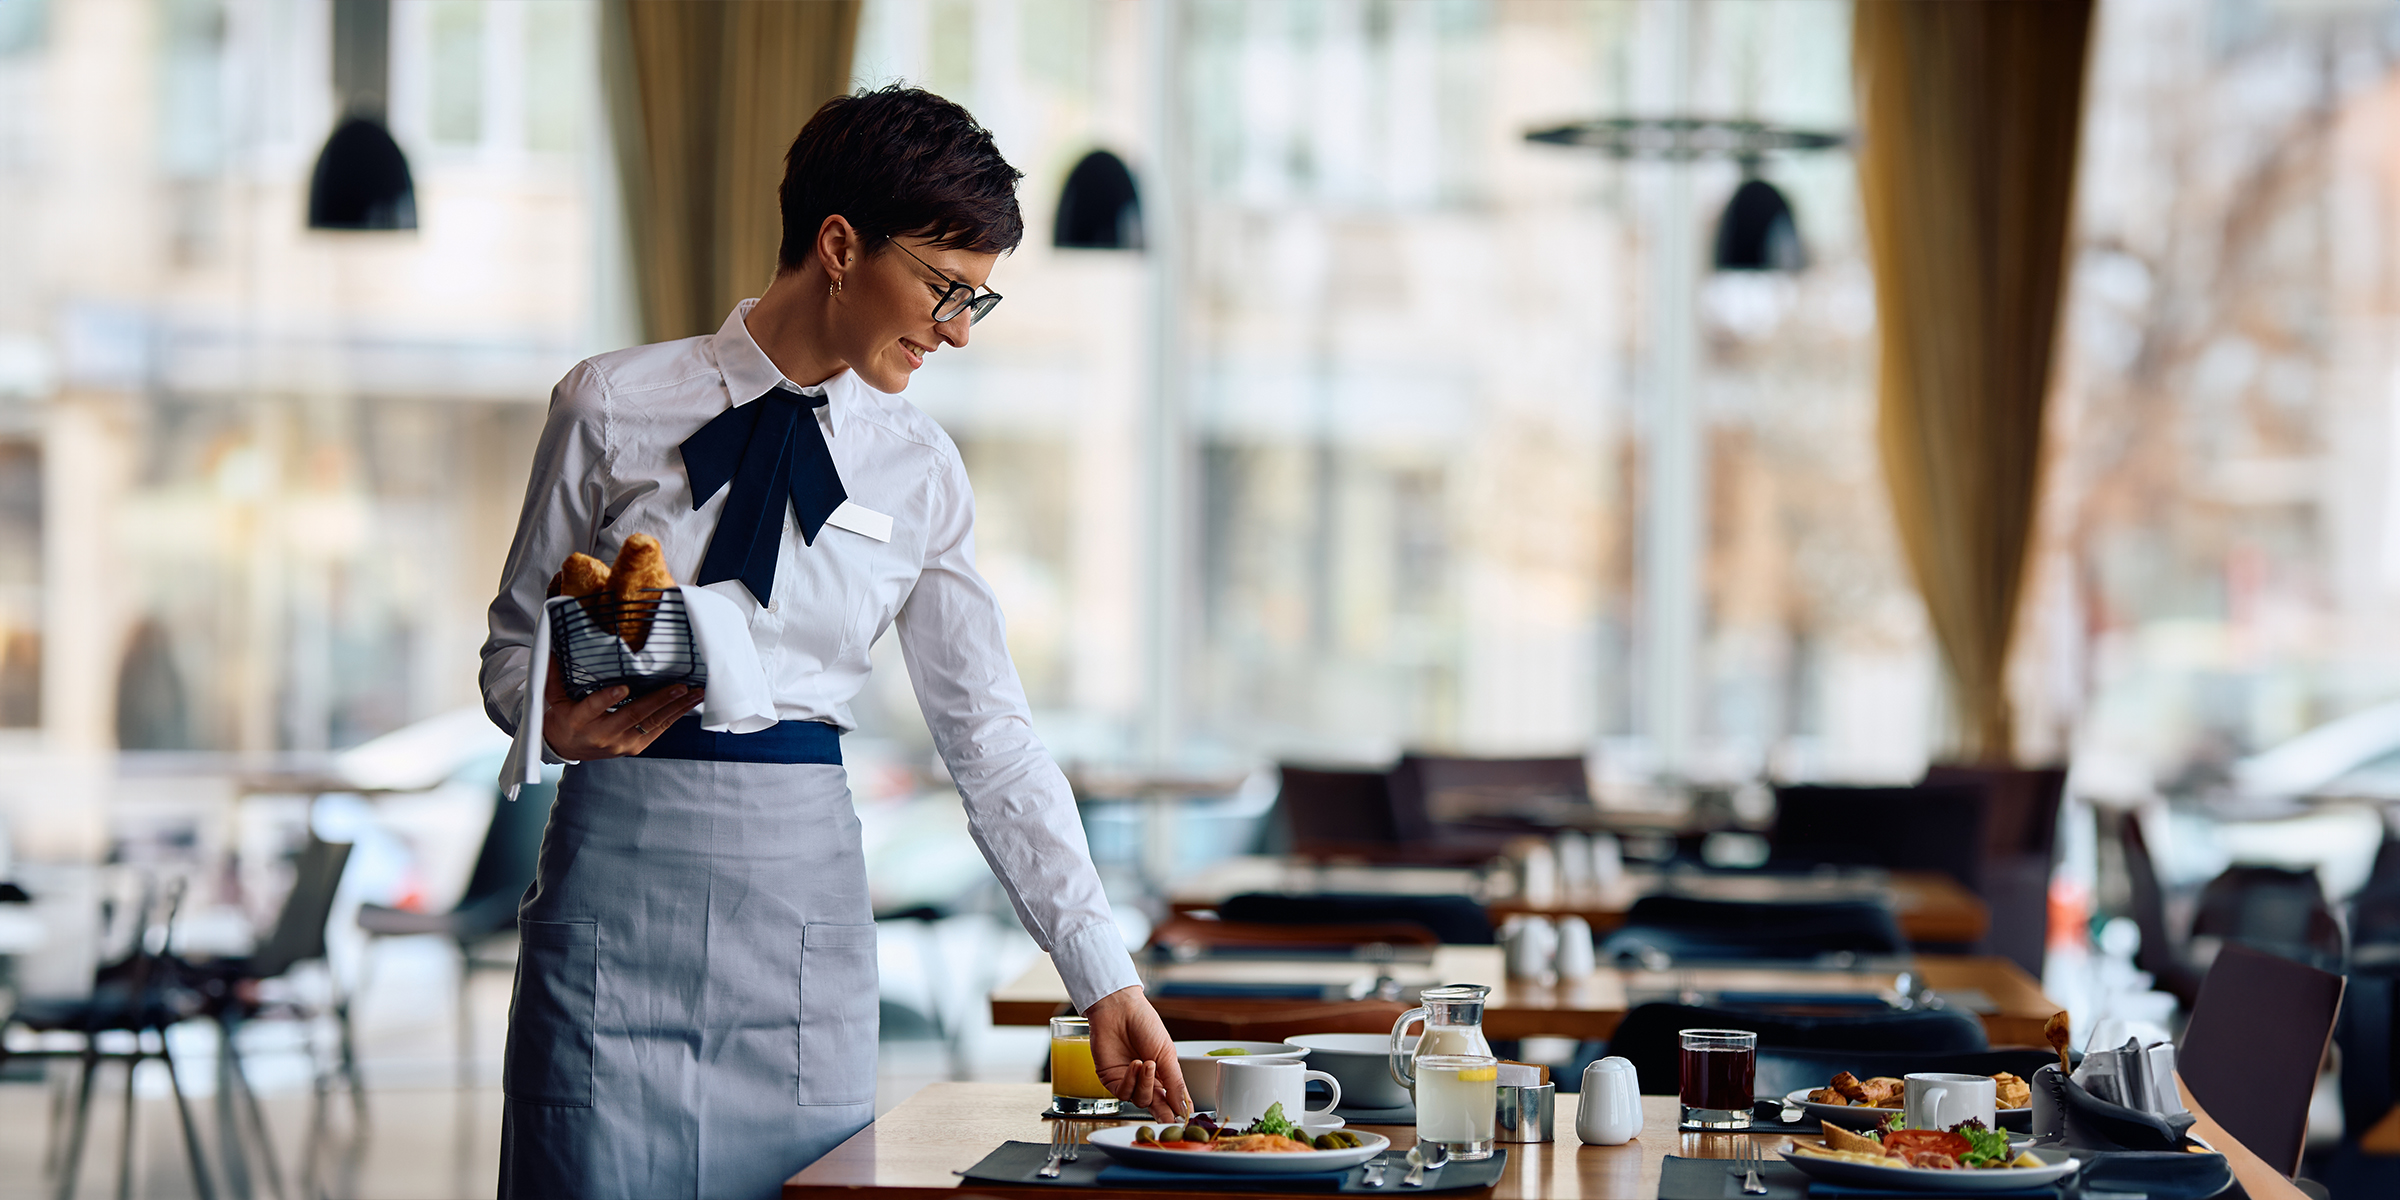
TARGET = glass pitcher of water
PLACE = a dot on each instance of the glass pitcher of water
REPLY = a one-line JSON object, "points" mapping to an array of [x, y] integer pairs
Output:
{"points": [[1453, 1016]]}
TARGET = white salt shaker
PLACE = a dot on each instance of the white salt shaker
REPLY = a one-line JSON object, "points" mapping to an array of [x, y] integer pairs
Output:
{"points": [[1574, 860], [1575, 957], [1609, 1113], [1608, 861], [1526, 944], [1541, 876]]}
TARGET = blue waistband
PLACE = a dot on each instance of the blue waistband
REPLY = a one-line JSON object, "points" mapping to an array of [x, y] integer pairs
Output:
{"points": [[782, 742]]}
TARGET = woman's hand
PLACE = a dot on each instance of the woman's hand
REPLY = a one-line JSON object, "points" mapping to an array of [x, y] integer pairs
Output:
{"points": [[1135, 1056], [583, 730]]}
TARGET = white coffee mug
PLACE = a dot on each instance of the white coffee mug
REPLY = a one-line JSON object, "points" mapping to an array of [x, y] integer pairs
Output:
{"points": [[1934, 1100], [1248, 1087]]}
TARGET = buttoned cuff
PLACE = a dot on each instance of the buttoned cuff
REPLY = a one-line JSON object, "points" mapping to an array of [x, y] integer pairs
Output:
{"points": [[1093, 963]]}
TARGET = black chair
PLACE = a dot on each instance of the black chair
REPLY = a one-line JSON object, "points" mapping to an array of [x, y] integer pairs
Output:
{"points": [[1436, 796], [1457, 920], [1940, 828], [2161, 953], [487, 912], [2251, 1052], [1647, 1037], [137, 995], [1669, 928], [1338, 813], [2280, 911], [229, 988], [2020, 847]]}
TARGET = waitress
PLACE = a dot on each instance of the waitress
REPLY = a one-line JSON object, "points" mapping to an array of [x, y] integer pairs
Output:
{"points": [[695, 1013]]}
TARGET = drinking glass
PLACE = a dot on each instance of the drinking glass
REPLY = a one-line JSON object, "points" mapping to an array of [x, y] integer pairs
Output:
{"points": [[1457, 1099], [1075, 1088], [1720, 1069]]}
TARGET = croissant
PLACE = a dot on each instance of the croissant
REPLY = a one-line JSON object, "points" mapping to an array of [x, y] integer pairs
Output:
{"points": [[584, 577], [640, 574]]}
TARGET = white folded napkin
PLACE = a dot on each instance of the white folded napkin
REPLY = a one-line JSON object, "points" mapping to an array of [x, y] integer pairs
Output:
{"points": [[737, 699]]}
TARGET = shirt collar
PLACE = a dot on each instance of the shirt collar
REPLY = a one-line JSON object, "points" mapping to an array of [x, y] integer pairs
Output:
{"points": [[749, 373]]}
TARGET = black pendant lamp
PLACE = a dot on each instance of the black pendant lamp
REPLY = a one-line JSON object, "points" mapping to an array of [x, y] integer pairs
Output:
{"points": [[1757, 232], [361, 181], [1099, 208]]}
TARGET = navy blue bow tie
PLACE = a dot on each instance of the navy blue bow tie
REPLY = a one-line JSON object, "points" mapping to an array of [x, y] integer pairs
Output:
{"points": [[768, 449]]}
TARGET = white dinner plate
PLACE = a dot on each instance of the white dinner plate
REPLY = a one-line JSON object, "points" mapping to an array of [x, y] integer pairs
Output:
{"points": [[1119, 1144], [1920, 1180], [1312, 1123], [1850, 1116]]}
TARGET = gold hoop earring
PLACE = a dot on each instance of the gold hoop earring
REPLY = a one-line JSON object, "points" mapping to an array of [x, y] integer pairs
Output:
{"points": [[834, 288]]}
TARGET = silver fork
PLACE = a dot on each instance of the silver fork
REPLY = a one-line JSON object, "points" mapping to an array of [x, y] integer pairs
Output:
{"points": [[1061, 1139], [1751, 1157]]}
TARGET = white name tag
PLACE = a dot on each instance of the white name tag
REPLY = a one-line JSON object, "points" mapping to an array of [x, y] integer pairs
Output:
{"points": [[865, 522]]}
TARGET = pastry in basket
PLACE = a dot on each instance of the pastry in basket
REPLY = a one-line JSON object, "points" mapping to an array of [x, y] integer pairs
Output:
{"points": [[637, 579], [583, 577]]}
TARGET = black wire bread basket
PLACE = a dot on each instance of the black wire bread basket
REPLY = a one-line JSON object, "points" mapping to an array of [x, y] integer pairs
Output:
{"points": [[588, 643]]}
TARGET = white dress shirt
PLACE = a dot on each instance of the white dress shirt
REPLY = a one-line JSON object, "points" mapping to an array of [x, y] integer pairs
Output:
{"points": [[610, 465]]}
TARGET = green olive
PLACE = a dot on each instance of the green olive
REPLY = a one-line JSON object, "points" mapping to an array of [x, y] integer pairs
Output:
{"points": [[1193, 1133], [1145, 1134], [1172, 1133]]}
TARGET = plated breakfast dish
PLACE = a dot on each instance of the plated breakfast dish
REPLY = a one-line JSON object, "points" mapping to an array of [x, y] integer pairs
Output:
{"points": [[1966, 1158], [1849, 1091], [1272, 1144]]}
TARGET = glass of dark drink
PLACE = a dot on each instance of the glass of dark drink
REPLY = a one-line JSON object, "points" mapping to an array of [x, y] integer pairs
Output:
{"points": [[1720, 1067]]}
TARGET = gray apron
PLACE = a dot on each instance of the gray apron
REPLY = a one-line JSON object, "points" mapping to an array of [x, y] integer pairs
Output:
{"points": [[695, 1012]]}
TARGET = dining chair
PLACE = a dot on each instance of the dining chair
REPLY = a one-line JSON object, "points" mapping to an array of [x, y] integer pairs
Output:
{"points": [[2161, 954], [1338, 813], [1938, 827], [485, 916], [1648, 1036], [2251, 1051], [2274, 909], [230, 995], [1432, 793], [137, 996], [1456, 920], [1676, 928], [2020, 847]]}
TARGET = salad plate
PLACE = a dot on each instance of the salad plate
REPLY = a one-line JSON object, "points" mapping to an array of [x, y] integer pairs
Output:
{"points": [[1118, 1143], [2056, 1165]]}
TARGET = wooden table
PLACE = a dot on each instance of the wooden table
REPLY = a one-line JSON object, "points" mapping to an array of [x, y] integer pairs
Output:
{"points": [[1931, 907], [913, 1150], [1584, 1008]]}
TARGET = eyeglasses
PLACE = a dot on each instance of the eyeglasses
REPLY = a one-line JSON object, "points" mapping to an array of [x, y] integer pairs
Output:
{"points": [[959, 298]]}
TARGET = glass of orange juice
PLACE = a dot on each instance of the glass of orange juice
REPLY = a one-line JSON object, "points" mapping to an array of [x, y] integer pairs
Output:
{"points": [[1075, 1088]]}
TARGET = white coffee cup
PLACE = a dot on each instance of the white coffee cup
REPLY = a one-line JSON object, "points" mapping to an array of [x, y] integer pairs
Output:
{"points": [[1248, 1087], [1935, 1100]]}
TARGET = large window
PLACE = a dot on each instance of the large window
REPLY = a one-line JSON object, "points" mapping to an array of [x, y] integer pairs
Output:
{"points": [[1409, 374]]}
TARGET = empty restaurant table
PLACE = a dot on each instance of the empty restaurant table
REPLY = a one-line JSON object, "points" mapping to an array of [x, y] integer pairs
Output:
{"points": [[1931, 907], [1998, 992]]}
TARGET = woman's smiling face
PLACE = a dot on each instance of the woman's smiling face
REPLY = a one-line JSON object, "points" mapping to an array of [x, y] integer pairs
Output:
{"points": [[882, 317]]}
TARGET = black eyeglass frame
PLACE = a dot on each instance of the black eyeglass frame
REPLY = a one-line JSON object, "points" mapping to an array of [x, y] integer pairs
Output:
{"points": [[951, 298]]}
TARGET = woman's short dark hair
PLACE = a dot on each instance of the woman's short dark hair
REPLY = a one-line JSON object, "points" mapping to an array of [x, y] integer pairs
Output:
{"points": [[899, 160]]}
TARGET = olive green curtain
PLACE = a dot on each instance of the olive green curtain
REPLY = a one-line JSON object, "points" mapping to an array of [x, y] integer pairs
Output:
{"points": [[705, 98], [1968, 119]]}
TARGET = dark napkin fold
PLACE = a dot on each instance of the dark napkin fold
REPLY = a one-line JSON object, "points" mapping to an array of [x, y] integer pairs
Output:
{"points": [[1015, 1163]]}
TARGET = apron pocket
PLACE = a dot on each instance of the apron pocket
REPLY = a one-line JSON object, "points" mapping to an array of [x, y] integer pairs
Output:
{"points": [[549, 1057], [837, 1014]]}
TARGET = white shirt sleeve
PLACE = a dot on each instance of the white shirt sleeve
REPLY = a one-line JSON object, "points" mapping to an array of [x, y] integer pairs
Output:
{"points": [[1019, 807], [565, 501]]}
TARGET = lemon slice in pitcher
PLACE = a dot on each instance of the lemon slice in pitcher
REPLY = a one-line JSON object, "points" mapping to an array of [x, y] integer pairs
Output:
{"points": [[1478, 1074]]}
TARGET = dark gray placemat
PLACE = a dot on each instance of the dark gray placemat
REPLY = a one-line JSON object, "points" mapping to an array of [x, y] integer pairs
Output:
{"points": [[1717, 1179], [1015, 1163]]}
